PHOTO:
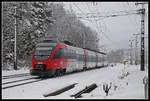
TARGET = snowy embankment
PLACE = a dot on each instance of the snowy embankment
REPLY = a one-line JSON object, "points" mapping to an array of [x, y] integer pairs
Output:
{"points": [[125, 84], [12, 72]]}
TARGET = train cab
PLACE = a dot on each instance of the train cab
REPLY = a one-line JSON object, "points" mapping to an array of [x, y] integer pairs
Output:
{"points": [[47, 58]]}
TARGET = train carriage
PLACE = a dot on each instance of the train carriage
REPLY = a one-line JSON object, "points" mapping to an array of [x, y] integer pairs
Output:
{"points": [[80, 57], [70, 54], [52, 58], [100, 60], [91, 59]]}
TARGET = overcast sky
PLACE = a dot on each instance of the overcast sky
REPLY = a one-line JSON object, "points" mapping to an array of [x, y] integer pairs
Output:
{"points": [[118, 30]]}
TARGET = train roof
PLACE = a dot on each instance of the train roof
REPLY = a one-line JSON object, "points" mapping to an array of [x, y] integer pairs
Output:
{"points": [[68, 43], [95, 51], [54, 39], [71, 44]]}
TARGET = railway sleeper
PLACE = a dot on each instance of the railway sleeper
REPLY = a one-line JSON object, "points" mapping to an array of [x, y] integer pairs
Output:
{"points": [[57, 92], [86, 90]]}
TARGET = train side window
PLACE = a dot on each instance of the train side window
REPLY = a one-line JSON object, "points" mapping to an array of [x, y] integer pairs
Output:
{"points": [[64, 53], [74, 54], [69, 54], [58, 53]]}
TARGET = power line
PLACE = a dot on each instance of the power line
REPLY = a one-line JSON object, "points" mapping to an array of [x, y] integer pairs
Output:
{"points": [[97, 26], [113, 14], [84, 31], [80, 11], [95, 23], [88, 18], [101, 27], [94, 20], [134, 26], [136, 42]]}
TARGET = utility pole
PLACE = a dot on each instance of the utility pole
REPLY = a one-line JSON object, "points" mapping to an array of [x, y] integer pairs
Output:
{"points": [[131, 51], [142, 35], [136, 42], [142, 38], [2, 35], [102, 48], [15, 54], [83, 38]]}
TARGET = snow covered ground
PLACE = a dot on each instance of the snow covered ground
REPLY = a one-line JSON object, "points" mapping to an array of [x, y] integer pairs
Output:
{"points": [[125, 84]]}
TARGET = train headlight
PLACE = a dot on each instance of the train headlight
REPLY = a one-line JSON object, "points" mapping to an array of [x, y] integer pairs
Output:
{"points": [[40, 63], [61, 62]]}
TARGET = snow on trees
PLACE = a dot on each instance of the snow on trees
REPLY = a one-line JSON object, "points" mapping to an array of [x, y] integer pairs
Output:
{"points": [[41, 19]]}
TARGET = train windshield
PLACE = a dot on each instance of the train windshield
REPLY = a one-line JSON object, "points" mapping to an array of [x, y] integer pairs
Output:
{"points": [[43, 51]]}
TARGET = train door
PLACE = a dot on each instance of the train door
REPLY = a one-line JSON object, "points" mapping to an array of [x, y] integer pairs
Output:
{"points": [[96, 59], [85, 59], [71, 58], [80, 58]]}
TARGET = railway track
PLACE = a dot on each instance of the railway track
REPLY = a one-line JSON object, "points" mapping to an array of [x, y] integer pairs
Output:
{"points": [[15, 75], [87, 89], [25, 74], [20, 80], [39, 79], [23, 83], [28, 74]]}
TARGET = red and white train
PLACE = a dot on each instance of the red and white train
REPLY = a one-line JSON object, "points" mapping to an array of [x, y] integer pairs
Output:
{"points": [[52, 58]]}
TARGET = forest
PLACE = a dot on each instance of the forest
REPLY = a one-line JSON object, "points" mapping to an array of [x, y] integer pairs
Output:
{"points": [[37, 20]]}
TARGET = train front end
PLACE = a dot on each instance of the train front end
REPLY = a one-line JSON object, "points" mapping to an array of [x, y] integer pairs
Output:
{"points": [[43, 62]]}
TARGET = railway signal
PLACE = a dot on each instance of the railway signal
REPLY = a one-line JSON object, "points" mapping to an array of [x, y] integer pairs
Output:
{"points": [[131, 62], [136, 42]]}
